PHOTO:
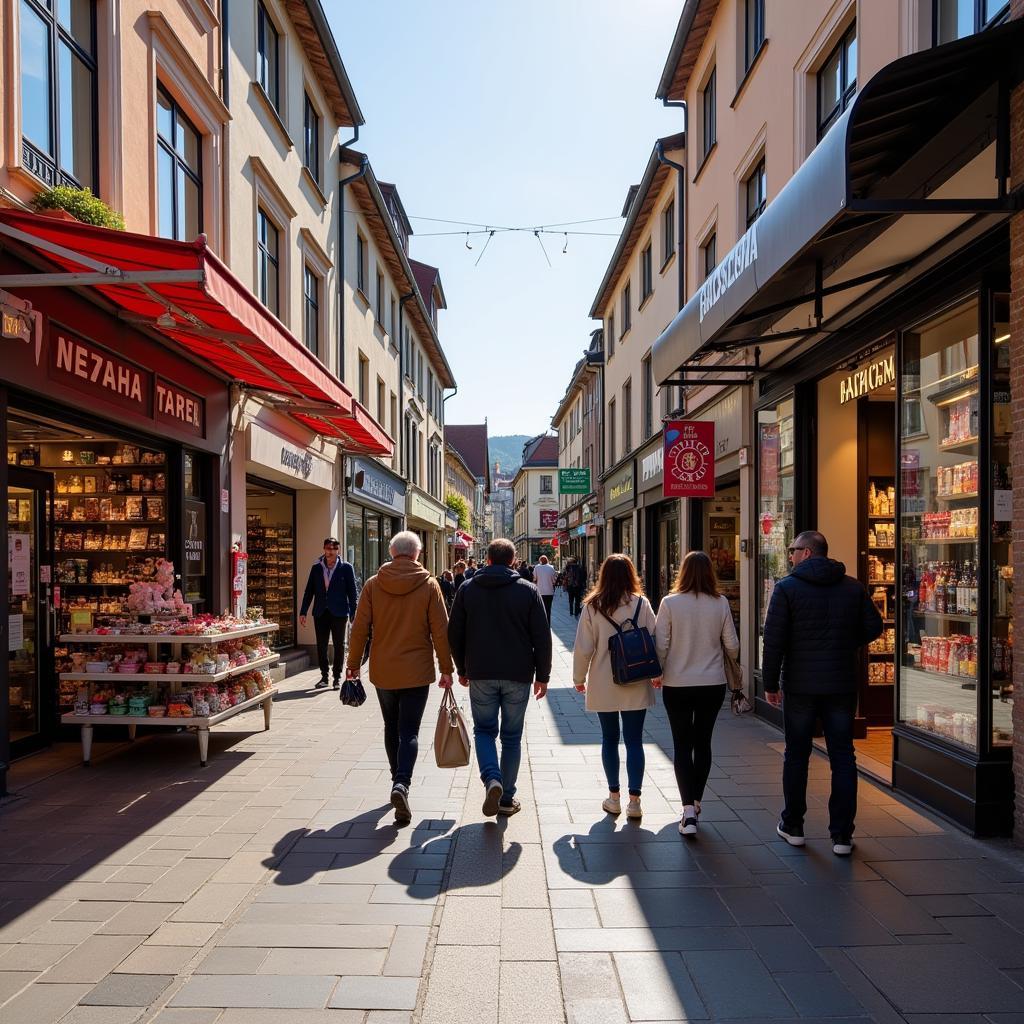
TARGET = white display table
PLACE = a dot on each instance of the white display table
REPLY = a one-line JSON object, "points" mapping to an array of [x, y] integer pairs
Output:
{"points": [[201, 725]]}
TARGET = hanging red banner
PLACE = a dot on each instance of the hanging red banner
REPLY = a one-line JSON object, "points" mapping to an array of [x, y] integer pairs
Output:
{"points": [[689, 459]]}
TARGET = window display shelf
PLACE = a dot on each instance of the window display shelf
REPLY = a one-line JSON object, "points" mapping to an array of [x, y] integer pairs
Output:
{"points": [[956, 392], [111, 522], [973, 495], [920, 613], [165, 638], [964, 445], [881, 547], [882, 583], [945, 540], [167, 677]]}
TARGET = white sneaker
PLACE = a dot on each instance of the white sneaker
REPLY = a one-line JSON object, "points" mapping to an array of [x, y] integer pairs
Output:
{"points": [[633, 808], [612, 805], [688, 827], [842, 846]]}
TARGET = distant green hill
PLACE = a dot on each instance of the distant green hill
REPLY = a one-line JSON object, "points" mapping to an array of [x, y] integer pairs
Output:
{"points": [[508, 450]]}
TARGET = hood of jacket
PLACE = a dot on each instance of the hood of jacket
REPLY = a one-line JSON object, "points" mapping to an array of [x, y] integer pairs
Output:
{"points": [[822, 572], [401, 576], [495, 576]]}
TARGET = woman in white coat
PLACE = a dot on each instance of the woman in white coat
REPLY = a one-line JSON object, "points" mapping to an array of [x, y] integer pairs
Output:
{"points": [[617, 596], [694, 624]]}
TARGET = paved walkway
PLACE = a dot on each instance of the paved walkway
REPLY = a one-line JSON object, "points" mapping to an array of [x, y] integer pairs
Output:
{"points": [[272, 887]]}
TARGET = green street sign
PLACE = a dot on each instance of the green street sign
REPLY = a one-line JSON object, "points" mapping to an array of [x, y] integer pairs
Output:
{"points": [[574, 481]]}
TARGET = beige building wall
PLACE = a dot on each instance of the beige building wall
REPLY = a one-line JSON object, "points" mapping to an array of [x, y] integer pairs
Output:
{"points": [[570, 441], [626, 351], [535, 490]]}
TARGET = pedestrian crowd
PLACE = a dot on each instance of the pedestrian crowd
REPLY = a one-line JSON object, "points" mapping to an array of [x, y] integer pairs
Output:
{"points": [[490, 626]]}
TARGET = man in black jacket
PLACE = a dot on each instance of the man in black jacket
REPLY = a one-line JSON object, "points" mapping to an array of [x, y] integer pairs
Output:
{"points": [[818, 619], [501, 643], [331, 589]]}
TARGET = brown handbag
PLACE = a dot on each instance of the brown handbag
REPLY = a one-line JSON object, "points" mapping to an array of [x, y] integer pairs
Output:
{"points": [[733, 672], [451, 738]]}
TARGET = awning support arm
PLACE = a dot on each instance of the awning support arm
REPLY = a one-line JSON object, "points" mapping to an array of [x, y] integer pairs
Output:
{"points": [[72, 280], [59, 250]]}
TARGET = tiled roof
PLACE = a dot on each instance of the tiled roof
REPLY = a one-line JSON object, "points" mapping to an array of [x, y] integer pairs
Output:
{"points": [[470, 441]]}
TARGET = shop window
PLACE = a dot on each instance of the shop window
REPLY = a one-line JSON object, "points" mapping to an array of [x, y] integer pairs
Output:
{"points": [[646, 273], [753, 31], [709, 125], [179, 171], [709, 254], [311, 309], [668, 232], [311, 138], [837, 81], [1001, 600], [627, 308], [268, 55], [58, 91], [756, 188], [267, 245], [955, 19], [270, 544], [775, 503], [941, 481], [354, 552], [195, 531]]}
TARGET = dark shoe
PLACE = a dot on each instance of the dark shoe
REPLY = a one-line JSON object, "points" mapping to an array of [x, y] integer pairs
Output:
{"points": [[842, 846], [400, 802], [492, 798], [507, 810], [322, 685], [337, 683], [793, 834]]}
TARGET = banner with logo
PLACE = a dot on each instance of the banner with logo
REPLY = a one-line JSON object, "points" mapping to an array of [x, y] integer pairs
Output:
{"points": [[689, 459]]}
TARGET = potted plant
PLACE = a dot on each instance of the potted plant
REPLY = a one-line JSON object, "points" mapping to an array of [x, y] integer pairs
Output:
{"points": [[78, 204]]}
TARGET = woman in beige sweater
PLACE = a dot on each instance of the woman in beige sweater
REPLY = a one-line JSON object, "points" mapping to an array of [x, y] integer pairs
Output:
{"points": [[694, 624], [617, 596]]}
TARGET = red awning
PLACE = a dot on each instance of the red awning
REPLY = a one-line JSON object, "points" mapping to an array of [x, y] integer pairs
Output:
{"points": [[183, 291]]}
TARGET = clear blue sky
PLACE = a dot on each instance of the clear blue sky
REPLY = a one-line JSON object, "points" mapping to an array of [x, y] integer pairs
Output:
{"points": [[512, 113]]}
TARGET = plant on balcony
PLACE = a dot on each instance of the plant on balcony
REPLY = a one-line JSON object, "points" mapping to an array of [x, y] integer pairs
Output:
{"points": [[458, 504], [81, 204]]}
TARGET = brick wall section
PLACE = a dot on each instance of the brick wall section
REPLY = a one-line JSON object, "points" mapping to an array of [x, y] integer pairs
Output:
{"points": [[1017, 378]]}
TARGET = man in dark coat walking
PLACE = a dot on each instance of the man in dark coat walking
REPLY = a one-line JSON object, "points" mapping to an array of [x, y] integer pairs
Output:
{"points": [[818, 620], [331, 589]]}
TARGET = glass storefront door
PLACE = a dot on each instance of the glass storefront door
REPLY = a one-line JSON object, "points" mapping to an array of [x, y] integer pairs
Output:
{"points": [[29, 665]]}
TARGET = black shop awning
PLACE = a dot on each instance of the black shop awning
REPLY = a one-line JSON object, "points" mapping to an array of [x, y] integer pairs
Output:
{"points": [[916, 167]]}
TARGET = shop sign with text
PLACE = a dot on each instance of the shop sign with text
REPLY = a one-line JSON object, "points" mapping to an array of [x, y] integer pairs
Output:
{"points": [[574, 481], [689, 459], [548, 519], [867, 378]]}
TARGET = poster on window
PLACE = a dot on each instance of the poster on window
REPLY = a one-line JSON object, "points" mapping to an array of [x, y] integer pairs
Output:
{"points": [[689, 459], [20, 561]]}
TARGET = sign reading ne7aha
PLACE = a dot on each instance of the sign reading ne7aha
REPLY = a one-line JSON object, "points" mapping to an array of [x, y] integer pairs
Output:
{"points": [[689, 459]]}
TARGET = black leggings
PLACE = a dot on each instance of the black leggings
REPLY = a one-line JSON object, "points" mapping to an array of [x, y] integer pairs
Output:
{"points": [[692, 711]]}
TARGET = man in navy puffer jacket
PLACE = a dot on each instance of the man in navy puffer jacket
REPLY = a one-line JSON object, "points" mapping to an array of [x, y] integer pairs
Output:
{"points": [[817, 621]]}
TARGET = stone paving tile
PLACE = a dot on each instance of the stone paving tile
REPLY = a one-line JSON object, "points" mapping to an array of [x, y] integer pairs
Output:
{"points": [[138, 919], [157, 960], [734, 985], [256, 991], [527, 935], [367, 993], [182, 934], [42, 1004], [104, 1015], [341, 936], [93, 959], [785, 949], [12, 982], [171, 1015], [529, 993], [318, 961], [658, 987], [128, 990], [465, 987], [819, 995], [27, 956]]}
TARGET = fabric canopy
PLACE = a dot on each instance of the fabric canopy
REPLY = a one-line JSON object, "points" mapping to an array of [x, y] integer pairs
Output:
{"points": [[184, 292]]}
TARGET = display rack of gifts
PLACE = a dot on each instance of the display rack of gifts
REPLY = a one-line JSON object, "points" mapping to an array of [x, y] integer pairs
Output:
{"points": [[163, 666]]}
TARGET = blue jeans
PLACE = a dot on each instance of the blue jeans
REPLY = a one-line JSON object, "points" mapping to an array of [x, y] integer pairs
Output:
{"points": [[633, 737], [488, 698], [836, 711]]}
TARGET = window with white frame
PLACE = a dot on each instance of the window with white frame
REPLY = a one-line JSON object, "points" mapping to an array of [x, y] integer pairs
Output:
{"points": [[268, 56], [955, 19], [756, 192], [547, 483], [837, 81], [311, 138], [179, 171], [267, 261], [627, 417], [668, 232], [753, 31], [362, 263], [311, 308], [647, 397], [709, 254], [380, 298], [709, 113], [646, 273], [627, 309]]}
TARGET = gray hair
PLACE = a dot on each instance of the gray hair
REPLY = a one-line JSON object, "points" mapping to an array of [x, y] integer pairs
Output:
{"points": [[406, 543]]}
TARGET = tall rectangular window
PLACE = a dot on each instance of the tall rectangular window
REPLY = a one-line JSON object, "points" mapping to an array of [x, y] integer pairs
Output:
{"points": [[709, 119], [547, 484], [58, 90], [646, 273], [837, 81], [267, 248], [627, 308], [362, 261], [179, 171], [268, 47], [709, 254], [382, 397], [648, 398], [955, 19], [311, 308], [380, 298], [311, 138], [364, 381], [668, 232], [612, 450], [392, 322], [753, 31], [611, 336], [756, 187], [627, 417], [394, 415]]}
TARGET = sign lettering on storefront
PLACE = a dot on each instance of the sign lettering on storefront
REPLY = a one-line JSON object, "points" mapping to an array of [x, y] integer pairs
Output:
{"points": [[867, 378], [297, 462], [689, 459], [741, 257], [620, 490], [653, 465], [180, 407], [574, 481], [93, 369]]}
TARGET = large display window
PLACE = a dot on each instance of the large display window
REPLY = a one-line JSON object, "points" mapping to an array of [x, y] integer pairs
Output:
{"points": [[776, 503], [270, 542]]}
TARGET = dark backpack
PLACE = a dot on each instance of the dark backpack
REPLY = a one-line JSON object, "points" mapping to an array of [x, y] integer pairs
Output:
{"points": [[632, 650]]}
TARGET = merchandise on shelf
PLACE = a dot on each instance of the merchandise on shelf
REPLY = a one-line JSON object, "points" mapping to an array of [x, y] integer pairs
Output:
{"points": [[959, 480], [271, 574], [881, 500], [961, 421], [958, 524]]}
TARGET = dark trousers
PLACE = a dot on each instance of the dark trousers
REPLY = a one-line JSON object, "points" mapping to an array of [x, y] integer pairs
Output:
{"points": [[633, 737], [692, 711], [836, 711], [575, 599], [330, 629], [402, 711], [547, 599]]}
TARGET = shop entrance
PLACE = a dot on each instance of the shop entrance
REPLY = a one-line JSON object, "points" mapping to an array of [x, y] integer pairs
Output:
{"points": [[856, 511], [714, 529], [30, 629], [270, 542]]}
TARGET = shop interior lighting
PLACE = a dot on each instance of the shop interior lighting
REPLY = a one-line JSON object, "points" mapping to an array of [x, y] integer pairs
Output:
{"points": [[959, 396], [973, 370], [1002, 338]]}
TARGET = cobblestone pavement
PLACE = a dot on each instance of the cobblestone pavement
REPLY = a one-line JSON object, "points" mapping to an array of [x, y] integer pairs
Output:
{"points": [[273, 887]]}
